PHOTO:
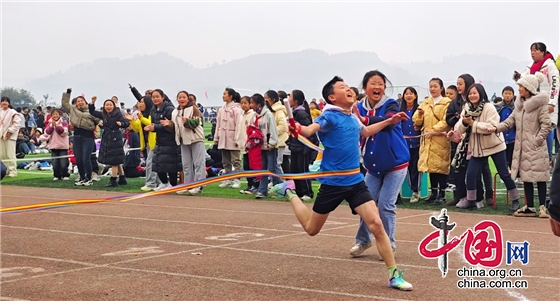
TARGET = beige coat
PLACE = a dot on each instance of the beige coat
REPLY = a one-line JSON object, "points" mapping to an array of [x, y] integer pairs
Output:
{"points": [[241, 134], [185, 135], [532, 124], [79, 117], [226, 125], [481, 142], [434, 150]]}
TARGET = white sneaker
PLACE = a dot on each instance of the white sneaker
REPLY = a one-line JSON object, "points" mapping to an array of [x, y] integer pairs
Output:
{"points": [[195, 191], [162, 187], [65, 179], [87, 183], [479, 204], [305, 198], [358, 249], [462, 203], [55, 179], [235, 184], [226, 183], [95, 177], [415, 197], [183, 192], [146, 188]]}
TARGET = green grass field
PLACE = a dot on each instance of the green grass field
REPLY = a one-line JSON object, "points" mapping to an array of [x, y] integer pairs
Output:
{"points": [[45, 179]]}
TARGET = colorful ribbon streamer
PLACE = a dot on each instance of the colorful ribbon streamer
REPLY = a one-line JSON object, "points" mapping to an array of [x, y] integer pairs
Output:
{"points": [[426, 135], [186, 186]]}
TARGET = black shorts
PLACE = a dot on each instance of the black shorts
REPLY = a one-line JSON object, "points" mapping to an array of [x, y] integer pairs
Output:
{"points": [[329, 197]]}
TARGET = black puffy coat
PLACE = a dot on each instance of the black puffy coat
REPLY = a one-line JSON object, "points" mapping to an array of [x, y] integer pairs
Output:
{"points": [[301, 117], [167, 154], [111, 151], [454, 109]]}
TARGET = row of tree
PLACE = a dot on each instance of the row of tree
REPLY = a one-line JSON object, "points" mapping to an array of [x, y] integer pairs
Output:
{"points": [[23, 98]]}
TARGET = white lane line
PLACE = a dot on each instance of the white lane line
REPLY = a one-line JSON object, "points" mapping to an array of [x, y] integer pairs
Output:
{"points": [[170, 221], [208, 246], [270, 285], [237, 281], [166, 254], [110, 236], [517, 295]]}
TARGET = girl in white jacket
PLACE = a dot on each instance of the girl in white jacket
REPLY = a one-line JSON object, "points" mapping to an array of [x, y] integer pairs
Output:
{"points": [[189, 135], [241, 137], [10, 122]]}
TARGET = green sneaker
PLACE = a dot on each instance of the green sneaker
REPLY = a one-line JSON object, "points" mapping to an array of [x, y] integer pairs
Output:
{"points": [[398, 282]]}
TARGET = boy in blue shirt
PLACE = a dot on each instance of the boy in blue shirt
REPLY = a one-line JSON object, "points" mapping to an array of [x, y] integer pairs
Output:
{"points": [[339, 130]]}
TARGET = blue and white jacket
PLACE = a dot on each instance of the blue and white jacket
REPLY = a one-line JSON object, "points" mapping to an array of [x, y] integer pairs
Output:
{"points": [[387, 150]]}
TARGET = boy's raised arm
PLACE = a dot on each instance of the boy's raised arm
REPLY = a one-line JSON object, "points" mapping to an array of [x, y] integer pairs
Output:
{"points": [[307, 130]]}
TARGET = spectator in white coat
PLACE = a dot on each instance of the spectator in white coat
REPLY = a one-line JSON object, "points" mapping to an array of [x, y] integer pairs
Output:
{"points": [[10, 122]]}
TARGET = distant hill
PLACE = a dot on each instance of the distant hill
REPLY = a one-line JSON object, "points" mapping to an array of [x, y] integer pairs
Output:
{"points": [[306, 70]]}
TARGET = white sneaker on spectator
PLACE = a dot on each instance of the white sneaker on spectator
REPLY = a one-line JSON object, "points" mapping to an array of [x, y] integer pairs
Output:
{"points": [[195, 191], [305, 198], [163, 186], [357, 249], [55, 179], [235, 184], [147, 188], [95, 177], [462, 202], [183, 192], [479, 204], [226, 183], [65, 179]]}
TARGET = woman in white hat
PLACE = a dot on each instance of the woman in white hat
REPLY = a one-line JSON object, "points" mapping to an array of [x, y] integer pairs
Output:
{"points": [[531, 120]]}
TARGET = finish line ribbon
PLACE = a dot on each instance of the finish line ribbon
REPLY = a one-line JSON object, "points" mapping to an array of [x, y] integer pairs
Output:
{"points": [[185, 186]]}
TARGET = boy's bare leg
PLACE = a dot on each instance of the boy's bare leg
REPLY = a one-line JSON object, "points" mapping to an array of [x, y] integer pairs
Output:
{"points": [[311, 221], [370, 214]]}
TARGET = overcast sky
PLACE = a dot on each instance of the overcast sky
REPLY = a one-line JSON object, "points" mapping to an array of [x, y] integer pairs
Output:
{"points": [[39, 39]]}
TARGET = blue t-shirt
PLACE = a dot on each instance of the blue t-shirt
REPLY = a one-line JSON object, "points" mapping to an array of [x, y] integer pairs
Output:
{"points": [[340, 136]]}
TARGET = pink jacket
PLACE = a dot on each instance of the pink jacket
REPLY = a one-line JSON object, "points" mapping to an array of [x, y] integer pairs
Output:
{"points": [[56, 137], [229, 116]]}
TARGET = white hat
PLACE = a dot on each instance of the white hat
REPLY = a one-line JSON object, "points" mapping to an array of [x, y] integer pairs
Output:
{"points": [[531, 82]]}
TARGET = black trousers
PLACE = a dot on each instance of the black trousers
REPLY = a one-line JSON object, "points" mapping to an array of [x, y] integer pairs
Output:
{"points": [[299, 164], [251, 182], [413, 174]]}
